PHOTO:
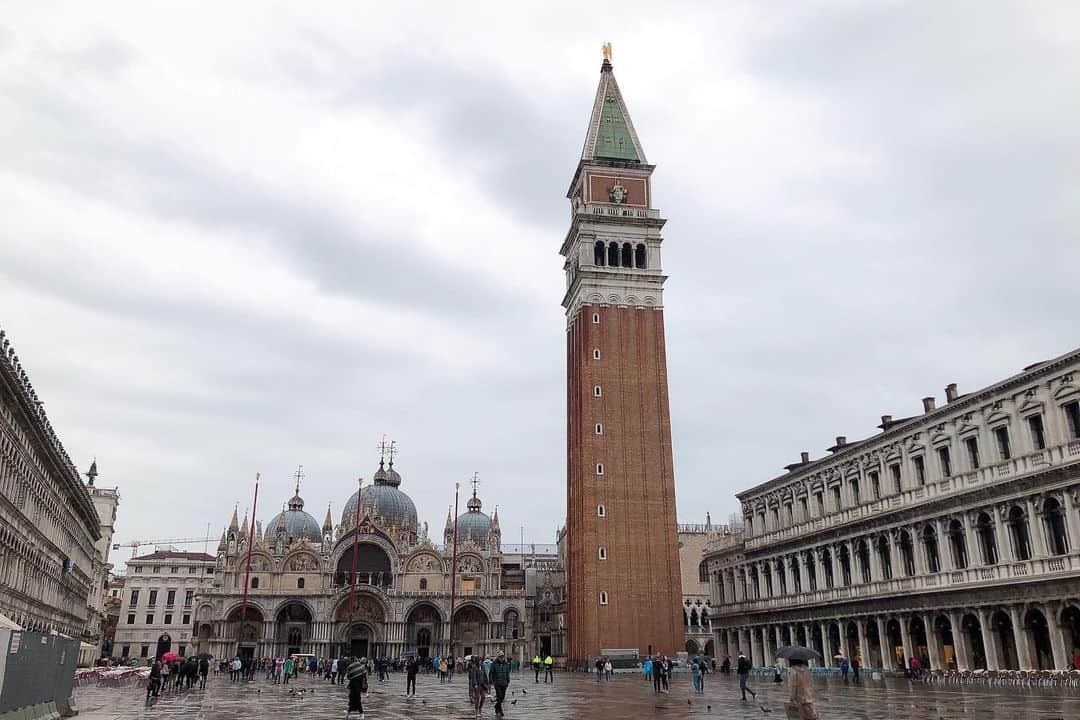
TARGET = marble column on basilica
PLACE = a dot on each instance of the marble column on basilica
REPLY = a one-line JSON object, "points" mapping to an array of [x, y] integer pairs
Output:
{"points": [[905, 638], [863, 652], [887, 655], [1052, 611], [989, 646], [960, 640], [1020, 638], [933, 645]]}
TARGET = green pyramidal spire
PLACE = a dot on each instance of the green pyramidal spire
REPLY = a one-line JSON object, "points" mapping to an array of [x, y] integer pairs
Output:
{"points": [[611, 133]]}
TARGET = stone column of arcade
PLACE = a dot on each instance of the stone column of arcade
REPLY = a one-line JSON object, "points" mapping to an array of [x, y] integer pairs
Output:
{"points": [[989, 645], [905, 639], [1020, 637], [960, 640], [933, 645], [885, 651], [826, 646], [863, 652], [1057, 637]]}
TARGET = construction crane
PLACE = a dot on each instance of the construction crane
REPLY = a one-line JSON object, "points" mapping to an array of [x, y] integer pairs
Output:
{"points": [[134, 544]]}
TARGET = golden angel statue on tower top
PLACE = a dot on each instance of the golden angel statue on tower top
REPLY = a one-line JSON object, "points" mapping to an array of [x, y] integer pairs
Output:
{"points": [[606, 49]]}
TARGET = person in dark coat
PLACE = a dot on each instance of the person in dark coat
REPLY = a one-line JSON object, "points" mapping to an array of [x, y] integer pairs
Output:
{"points": [[153, 684], [357, 676], [204, 670], [412, 667], [657, 673]]}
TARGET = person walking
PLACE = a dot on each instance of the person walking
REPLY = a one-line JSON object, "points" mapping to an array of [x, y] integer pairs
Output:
{"points": [[609, 671], [599, 664], [665, 676], [695, 675], [478, 683], [411, 669], [657, 674], [358, 685], [165, 672], [855, 666], [548, 675], [287, 666], [743, 669], [204, 670], [499, 676], [725, 667], [443, 667], [845, 668], [801, 703], [153, 684], [537, 664]]}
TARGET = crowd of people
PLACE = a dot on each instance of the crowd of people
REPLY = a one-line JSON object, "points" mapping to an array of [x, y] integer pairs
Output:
{"points": [[177, 674]]}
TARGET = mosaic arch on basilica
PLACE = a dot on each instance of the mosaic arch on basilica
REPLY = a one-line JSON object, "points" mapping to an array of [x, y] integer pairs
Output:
{"points": [[300, 597]]}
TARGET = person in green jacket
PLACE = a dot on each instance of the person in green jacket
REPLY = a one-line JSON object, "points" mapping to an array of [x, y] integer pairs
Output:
{"points": [[548, 664], [288, 669], [537, 665], [499, 676]]}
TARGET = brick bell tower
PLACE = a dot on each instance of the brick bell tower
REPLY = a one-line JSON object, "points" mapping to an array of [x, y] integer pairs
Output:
{"points": [[623, 565]]}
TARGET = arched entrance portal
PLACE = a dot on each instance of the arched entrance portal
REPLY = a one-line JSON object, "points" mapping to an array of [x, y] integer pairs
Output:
{"points": [[164, 645], [244, 626], [973, 633], [470, 629], [1002, 626], [361, 626], [423, 629], [293, 627], [1040, 639]]}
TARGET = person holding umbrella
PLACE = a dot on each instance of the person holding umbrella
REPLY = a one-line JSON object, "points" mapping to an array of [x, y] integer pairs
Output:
{"points": [[356, 674], [801, 702]]}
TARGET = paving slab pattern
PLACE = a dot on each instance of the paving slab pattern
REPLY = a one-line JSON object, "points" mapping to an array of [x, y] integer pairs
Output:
{"points": [[578, 697]]}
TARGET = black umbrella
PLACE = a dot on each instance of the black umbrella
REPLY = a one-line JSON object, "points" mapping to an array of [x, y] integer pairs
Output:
{"points": [[798, 652], [355, 670]]}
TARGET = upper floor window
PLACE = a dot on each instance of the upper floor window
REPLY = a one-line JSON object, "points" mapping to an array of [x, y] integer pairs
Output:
{"points": [[703, 572], [776, 517], [895, 470], [803, 510], [423, 583], [603, 598], [299, 583], [945, 460], [920, 470], [134, 597], [640, 258], [138, 568], [599, 428], [599, 253], [1038, 435], [855, 499], [1001, 435], [596, 354], [131, 619], [789, 514], [596, 318], [820, 502], [1072, 414], [601, 511], [838, 500], [601, 553], [599, 468], [875, 484], [254, 583], [972, 445], [597, 392]]}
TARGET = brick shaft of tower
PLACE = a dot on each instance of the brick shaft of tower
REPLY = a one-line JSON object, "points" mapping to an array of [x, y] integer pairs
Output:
{"points": [[623, 567]]}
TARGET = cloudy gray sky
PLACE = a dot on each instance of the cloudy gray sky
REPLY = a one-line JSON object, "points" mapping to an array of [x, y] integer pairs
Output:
{"points": [[241, 239]]}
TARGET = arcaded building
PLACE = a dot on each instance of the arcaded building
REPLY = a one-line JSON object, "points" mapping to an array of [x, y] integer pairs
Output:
{"points": [[373, 582], [51, 575], [622, 559], [952, 536]]}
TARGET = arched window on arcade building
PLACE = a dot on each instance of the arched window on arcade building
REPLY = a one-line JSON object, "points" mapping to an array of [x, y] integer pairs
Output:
{"points": [[984, 529], [1057, 537]]}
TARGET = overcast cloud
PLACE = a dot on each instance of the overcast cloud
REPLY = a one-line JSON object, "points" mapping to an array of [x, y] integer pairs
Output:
{"points": [[242, 238]]}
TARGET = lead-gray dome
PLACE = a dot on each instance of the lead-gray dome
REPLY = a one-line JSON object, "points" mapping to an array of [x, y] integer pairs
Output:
{"points": [[474, 525], [297, 523], [383, 500]]}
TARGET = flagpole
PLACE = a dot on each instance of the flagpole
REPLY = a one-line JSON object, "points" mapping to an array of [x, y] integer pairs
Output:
{"points": [[453, 572], [247, 564], [355, 546]]}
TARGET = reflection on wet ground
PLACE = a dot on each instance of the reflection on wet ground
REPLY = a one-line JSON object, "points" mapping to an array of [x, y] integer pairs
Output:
{"points": [[580, 696]]}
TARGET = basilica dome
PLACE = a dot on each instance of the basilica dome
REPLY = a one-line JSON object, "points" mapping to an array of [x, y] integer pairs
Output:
{"points": [[295, 522], [474, 526], [383, 502]]}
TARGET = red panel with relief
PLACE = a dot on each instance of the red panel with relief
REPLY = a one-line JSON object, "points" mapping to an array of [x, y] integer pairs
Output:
{"points": [[617, 190]]}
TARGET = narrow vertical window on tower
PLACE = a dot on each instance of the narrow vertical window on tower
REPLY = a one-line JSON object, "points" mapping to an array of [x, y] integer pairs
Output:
{"points": [[601, 511], [639, 257], [627, 255], [598, 253], [603, 598], [601, 553], [613, 254], [596, 318], [597, 392], [596, 354], [599, 468], [599, 428]]}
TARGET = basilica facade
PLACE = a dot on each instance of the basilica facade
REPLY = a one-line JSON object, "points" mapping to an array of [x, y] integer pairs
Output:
{"points": [[373, 584]]}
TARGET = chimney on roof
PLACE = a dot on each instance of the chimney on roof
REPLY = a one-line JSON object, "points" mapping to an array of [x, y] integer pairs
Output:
{"points": [[928, 404], [885, 420], [841, 441], [805, 458], [950, 392]]}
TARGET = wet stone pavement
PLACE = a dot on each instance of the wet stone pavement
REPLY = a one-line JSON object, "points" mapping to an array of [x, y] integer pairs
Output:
{"points": [[579, 696]]}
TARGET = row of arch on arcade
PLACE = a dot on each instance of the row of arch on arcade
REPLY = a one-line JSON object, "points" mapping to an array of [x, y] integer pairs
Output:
{"points": [[1017, 637], [857, 566], [359, 629], [625, 255]]}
